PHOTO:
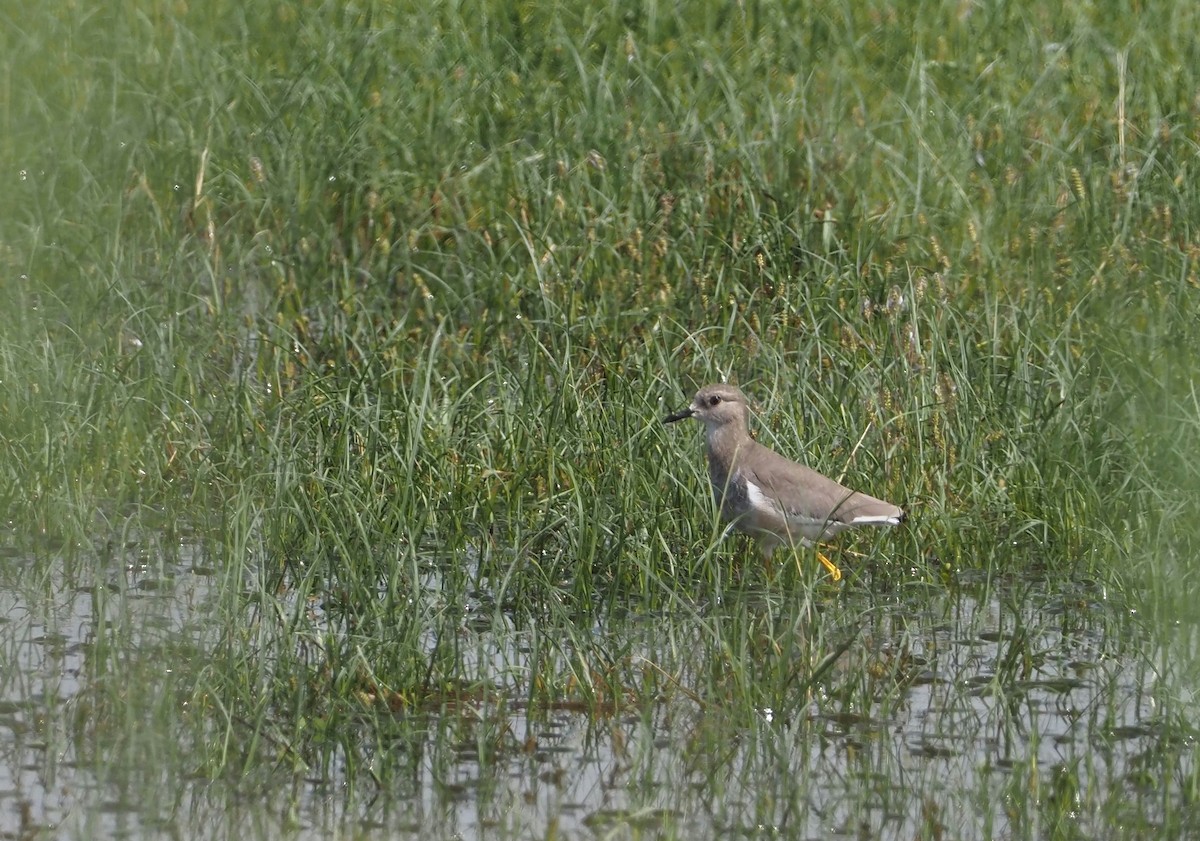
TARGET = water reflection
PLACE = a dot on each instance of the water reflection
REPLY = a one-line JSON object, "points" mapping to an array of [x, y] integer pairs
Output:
{"points": [[965, 711]]}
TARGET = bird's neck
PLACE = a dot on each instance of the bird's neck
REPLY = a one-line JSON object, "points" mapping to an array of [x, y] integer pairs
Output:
{"points": [[724, 445]]}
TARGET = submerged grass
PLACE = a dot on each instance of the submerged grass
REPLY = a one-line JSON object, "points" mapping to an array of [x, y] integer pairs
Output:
{"points": [[383, 306]]}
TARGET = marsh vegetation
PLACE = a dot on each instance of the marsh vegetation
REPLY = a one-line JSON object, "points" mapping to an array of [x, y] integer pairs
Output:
{"points": [[334, 346]]}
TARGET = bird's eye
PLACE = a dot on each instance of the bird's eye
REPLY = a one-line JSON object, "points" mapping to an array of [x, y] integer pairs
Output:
{"points": [[714, 400]]}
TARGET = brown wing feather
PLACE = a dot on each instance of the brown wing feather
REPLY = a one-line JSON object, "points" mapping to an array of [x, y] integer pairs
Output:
{"points": [[806, 493]]}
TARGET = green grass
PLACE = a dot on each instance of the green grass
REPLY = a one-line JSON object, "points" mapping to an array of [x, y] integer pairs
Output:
{"points": [[380, 307]]}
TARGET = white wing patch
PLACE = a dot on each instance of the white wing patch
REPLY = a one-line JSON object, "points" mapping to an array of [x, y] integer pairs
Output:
{"points": [[876, 519], [759, 501]]}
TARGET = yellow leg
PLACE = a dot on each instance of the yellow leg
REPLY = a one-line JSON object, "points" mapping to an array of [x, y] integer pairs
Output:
{"points": [[834, 572]]}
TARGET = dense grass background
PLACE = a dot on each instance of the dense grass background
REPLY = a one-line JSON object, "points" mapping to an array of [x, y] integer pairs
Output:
{"points": [[380, 305]]}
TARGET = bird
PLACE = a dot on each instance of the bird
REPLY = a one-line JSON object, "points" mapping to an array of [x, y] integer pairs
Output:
{"points": [[768, 496]]}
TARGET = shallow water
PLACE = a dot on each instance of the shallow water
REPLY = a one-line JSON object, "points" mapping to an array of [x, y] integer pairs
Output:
{"points": [[993, 711]]}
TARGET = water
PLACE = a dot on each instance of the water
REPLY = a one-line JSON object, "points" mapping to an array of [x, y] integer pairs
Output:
{"points": [[964, 711]]}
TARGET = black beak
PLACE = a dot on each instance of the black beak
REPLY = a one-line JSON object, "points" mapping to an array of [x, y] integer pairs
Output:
{"points": [[680, 415]]}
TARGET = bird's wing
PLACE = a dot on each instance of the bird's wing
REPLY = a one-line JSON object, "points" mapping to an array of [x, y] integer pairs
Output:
{"points": [[803, 492]]}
